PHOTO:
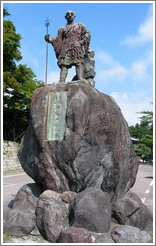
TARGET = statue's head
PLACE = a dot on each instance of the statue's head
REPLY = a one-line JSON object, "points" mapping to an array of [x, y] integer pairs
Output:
{"points": [[70, 16]]}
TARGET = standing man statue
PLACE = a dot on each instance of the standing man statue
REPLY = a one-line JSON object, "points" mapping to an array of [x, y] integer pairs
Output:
{"points": [[71, 45]]}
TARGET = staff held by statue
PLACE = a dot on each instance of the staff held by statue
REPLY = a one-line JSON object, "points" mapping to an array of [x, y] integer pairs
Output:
{"points": [[47, 23]]}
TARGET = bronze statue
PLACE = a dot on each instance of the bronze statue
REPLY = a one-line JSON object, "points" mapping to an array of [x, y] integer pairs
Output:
{"points": [[71, 45]]}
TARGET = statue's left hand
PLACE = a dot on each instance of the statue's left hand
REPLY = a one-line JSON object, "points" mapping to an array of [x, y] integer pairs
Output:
{"points": [[46, 37]]}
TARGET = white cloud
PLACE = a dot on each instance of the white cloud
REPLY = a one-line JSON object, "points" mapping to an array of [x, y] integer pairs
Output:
{"points": [[131, 103], [139, 69], [113, 71], [53, 77], [104, 57], [118, 72], [149, 58], [145, 31], [136, 76]]}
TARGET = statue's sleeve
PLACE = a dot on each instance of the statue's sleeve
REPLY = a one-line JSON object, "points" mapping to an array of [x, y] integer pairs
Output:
{"points": [[57, 42], [86, 36]]}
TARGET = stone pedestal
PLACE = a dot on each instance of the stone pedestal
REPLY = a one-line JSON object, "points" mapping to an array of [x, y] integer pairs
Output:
{"points": [[78, 138]]}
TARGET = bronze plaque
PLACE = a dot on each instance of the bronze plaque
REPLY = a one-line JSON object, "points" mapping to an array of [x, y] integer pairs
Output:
{"points": [[56, 122]]}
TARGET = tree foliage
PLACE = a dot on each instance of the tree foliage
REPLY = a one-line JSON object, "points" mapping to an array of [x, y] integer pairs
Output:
{"points": [[144, 132], [11, 45], [19, 82]]}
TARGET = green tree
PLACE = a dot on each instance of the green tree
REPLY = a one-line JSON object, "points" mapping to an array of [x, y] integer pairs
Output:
{"points": [[11, 45], [19, 82], [144, 131], [5, 12], [135, 131], [147, 119], [142, 149]]}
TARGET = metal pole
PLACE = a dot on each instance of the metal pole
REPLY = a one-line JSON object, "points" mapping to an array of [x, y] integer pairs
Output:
{"points": [[47, 23]]}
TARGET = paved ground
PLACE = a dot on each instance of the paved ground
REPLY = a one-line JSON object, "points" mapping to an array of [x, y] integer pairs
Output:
{"points": [[143, 186], [13, 181]]}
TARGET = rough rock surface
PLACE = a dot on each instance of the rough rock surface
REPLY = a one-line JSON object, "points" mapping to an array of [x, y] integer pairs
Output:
{"points": [[130, 234], [68, 196], [96, 150], [52, 215], [130, 210], [21, 219], [74, 235], [91, 210], [104, 239]]}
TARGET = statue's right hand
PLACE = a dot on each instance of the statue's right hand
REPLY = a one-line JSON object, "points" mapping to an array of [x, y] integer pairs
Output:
{"points": [[46, 37]]}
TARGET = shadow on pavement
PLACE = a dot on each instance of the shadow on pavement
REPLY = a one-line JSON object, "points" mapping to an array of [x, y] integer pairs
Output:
{"points": [[149, 177], [11, 203]]}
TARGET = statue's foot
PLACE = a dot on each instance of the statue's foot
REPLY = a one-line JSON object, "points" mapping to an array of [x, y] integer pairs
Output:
{"points": [[61, 81]]}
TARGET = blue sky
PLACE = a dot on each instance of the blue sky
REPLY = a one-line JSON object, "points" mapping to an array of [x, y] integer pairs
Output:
{"points": [[121, 37]]}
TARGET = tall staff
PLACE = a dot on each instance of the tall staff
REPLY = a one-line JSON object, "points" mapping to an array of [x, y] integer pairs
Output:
{"points": [[47, 23]]}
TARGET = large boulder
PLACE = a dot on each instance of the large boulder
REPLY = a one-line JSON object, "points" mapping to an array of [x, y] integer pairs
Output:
{"points": [[21, 219], [96, 150], [52, 215], [130, 234], [130, 210], [91, 210], [74, 235]]}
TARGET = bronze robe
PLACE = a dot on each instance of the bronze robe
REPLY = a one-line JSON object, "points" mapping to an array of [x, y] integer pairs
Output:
{"points": [[68, 48]]}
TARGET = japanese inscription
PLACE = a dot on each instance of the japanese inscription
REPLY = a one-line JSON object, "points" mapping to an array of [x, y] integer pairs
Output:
{"points": [[56, 122]]}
